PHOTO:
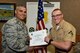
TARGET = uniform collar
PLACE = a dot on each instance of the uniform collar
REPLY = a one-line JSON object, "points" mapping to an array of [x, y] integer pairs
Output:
{"points": [[59, 26]]}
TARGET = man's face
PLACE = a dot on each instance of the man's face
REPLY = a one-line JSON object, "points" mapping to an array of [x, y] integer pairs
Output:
{"points": [[21, 13], [57, 16]]}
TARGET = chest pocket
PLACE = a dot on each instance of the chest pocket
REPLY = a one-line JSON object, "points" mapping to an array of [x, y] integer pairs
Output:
{"points": [[58, 34], [22, 31]]}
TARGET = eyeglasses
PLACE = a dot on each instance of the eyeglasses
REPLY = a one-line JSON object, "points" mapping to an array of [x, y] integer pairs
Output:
{"points": [[56, 15]]}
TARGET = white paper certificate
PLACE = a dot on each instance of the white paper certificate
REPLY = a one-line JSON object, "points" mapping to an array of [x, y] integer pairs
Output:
{"points": [[37, 38]]}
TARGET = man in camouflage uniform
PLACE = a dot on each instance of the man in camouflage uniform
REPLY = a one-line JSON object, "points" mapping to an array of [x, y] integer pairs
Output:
{"points": [[15, 37], [63, 33]]}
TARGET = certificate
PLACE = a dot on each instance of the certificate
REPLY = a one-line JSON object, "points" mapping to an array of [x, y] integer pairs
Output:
{"points": [[37, 38]]}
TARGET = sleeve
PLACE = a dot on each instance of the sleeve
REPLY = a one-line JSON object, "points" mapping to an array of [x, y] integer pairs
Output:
{"points": [[70, 34], [13, 39], [50, 33]]}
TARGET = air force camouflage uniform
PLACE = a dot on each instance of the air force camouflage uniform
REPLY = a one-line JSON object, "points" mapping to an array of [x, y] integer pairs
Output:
{"points": [[14, 36], [63, 32]]}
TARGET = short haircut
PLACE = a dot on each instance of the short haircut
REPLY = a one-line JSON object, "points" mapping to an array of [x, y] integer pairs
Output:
{"points": [[56, 9], [17, 7]]}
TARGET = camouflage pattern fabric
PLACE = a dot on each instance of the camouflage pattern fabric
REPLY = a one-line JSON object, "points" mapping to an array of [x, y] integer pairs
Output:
{"points": [[14, 36]]}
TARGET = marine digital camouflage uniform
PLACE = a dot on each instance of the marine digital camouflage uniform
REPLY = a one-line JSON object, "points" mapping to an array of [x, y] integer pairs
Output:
{"points": [[15, 36], [63, 32]]}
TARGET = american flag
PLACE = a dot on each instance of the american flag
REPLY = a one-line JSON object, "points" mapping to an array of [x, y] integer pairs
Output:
{"points": [[40, 22]]}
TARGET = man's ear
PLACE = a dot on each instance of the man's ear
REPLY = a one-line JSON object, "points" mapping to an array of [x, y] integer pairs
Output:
{"points": [[15, 12], [62, 15]]}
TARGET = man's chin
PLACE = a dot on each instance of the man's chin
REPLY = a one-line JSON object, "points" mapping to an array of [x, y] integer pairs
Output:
{"points": [[57, 23]]}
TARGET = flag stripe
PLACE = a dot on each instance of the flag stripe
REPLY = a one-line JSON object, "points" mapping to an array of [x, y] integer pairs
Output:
{"points": [[43, 24], [39, 26]]}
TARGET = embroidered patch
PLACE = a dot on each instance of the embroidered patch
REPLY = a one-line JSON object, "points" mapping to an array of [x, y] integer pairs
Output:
{"points": [[70, 33]]}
